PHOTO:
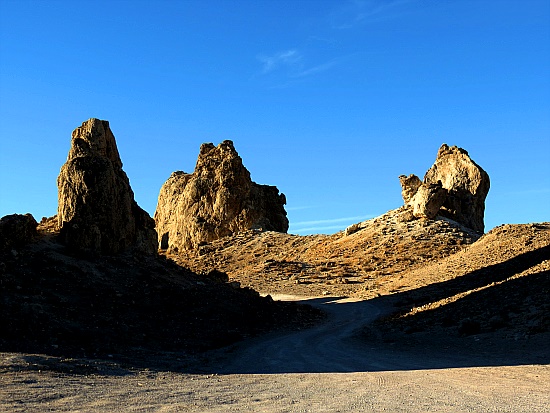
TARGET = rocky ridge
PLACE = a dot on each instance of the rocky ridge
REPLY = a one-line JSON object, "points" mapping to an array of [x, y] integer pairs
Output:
{"points": [[89, 282], [218, 199], [17, 230], [493, 290], [352, 262]]}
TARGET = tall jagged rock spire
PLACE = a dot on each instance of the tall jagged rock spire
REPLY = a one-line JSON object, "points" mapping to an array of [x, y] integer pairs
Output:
{"points": [[216, 200], [96, 208]]}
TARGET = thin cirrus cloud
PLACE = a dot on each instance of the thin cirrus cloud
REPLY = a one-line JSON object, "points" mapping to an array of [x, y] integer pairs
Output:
{"points": [[288, 59], [292, 62], [326, 224], [360, 12]]}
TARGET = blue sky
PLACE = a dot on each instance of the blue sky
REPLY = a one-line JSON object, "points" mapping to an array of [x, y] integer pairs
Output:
{"points": [[329, 100]]}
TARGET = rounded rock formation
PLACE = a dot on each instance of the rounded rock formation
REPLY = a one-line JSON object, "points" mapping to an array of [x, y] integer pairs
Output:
{"points": [[467, 185], [454, 187], [17, 230], [427, 200]]}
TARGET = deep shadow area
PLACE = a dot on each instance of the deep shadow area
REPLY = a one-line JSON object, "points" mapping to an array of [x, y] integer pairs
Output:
{"points": [[144, 312], [115, 315], [504, 323], [343, 344], [475, 279]]}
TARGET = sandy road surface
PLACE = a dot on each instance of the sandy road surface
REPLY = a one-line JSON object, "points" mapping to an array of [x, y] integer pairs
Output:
{"points": [[322, 369]]}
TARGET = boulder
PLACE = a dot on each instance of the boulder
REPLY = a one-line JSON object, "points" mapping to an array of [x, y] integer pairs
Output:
{"points": [[96, 211], [467, 185], [456, 183], [409, 186], [427, 200], [216, 200], [17, 230]]}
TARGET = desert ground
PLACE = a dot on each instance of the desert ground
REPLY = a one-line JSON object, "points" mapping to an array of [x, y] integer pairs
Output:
{"points": [[447, 323]]}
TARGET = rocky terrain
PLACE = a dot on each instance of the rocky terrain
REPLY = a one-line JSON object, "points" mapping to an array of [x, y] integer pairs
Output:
{"points": [[363, 261], [86, 297], [454, 187], [126, 306], [89, 282], [496, 289]]}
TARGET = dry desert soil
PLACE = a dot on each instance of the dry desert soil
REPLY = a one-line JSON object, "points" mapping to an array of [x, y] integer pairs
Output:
{"points": [[405, 316]]}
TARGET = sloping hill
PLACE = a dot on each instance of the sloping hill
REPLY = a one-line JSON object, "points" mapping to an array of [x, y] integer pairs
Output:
{"points": [[437, 279], [54, 302], [360, 261], [499, 283]]}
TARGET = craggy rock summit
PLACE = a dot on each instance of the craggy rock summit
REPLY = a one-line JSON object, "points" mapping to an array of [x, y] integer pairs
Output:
{"points": [[454, 187], [216, 200], [96, 208]]}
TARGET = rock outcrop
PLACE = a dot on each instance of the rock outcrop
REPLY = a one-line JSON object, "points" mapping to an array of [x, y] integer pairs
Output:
{"points": [[409, 186], [465, 186], [96, 208], [17, 230], [216, 200], [428, 200]]}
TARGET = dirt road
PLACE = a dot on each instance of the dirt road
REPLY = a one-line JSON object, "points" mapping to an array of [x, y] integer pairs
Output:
{"points": [[329, 347], [321, 369]]}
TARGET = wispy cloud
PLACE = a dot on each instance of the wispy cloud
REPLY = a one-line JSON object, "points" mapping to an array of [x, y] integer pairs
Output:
{"points": [[323, 225], [292, 65], [289, 59], [358, 12], [316, 229], [316, 69], [333, 220], [299, 208]]}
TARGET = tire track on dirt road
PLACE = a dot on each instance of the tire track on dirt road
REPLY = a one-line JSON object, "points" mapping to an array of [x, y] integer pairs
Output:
{"points": [[328, 347]]}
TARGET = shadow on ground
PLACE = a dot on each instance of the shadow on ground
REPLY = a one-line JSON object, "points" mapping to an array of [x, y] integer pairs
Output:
{"points": [[504, 322], [498, 321]]}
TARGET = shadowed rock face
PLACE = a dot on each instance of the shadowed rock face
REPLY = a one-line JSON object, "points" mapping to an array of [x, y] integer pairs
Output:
{"points": [[17, 230], [96, 208], [216, 200], [466, 185]]}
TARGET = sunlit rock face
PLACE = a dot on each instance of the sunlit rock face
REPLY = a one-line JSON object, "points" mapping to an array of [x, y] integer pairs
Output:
{"points": [[456, 183], [216, 200], [96, 209]]}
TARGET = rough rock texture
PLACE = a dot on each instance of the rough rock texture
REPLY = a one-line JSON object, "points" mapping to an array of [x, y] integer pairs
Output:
{"points": [[17, 230], [467, 185], [216, 200], [409, 186], [376, 252], [96, 208], [428, 200]]}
